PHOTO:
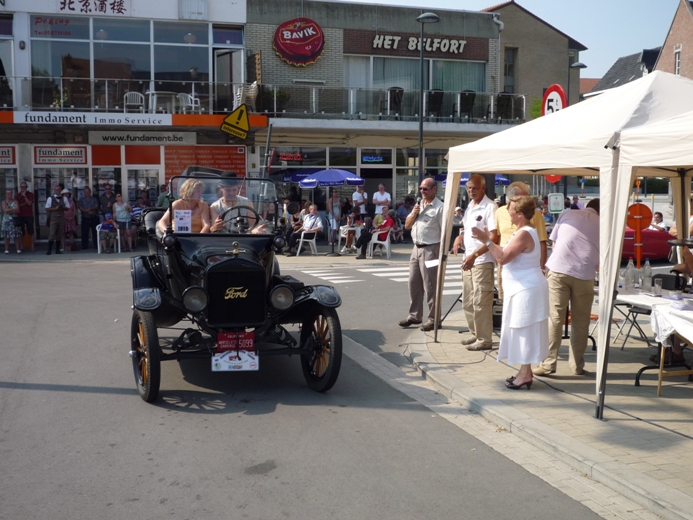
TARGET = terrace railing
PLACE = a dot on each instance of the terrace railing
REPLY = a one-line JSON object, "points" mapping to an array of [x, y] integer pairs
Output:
{"points": [[294, 101]]}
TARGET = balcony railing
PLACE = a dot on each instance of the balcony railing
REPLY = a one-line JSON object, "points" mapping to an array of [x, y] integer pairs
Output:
{"points": [[294, 101]]}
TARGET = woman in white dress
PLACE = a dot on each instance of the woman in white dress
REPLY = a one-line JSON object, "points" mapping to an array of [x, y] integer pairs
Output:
{"points": [[525, 329]]}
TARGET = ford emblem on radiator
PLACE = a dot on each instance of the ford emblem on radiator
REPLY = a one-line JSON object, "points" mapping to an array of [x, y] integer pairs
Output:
{"points": [[235, 292]]}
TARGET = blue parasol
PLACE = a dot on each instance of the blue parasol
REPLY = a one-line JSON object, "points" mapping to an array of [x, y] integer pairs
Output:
{"points": [[331, 177]]}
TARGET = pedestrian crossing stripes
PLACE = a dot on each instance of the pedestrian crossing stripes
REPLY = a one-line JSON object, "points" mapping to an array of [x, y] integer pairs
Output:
{"points": [[340, 275]]}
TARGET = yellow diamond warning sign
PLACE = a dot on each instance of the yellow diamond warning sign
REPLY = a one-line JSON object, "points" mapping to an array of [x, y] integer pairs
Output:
{"points": [[236, 123]]}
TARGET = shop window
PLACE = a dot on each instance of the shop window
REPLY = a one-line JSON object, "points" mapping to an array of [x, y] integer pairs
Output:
{"points": [[181, 33], [227, 35], [373, 156], [180, 64], [115, 29], [60, 27], [6, 25], [342, 157]]}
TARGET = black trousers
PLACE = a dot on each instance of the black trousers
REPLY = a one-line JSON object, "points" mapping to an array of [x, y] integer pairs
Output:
{"points": [[295, 237], [89, 227], [363, 240]]}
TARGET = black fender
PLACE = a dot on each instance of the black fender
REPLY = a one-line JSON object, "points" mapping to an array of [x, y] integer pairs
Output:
{"points": [[308, 299], [149, 293]]}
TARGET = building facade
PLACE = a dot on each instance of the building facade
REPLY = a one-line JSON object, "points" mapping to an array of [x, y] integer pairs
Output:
{"points": [[130, 92]]}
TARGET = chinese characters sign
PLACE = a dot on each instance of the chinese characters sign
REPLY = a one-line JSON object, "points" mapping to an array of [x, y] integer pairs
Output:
{"points": [[98, 7]]}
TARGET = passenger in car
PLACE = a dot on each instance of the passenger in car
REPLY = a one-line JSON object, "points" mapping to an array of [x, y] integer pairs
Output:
{"points": [[191, 200]]}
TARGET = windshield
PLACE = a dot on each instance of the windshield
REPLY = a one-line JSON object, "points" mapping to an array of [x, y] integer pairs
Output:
{"points": [[243, 205]]}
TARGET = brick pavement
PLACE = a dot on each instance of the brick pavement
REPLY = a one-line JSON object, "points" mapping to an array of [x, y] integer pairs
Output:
{"points": [[641, 448]]}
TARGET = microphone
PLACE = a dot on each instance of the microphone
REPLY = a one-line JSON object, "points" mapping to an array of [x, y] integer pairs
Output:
{"points": [[418, 200]]}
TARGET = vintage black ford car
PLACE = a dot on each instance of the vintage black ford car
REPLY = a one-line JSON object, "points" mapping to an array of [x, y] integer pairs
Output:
{"points": [[223, 288]]}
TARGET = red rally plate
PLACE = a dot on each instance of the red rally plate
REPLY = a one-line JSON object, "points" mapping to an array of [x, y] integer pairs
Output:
{"points": [[227, 341]]}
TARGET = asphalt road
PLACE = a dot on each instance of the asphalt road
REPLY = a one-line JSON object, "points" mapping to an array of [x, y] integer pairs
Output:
{"points": [[76, 441]]}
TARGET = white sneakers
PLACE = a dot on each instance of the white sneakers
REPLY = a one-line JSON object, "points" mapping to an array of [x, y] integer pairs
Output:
{"points": [[343, 251]]}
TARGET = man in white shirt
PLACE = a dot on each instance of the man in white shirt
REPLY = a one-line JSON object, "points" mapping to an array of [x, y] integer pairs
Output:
{"points": [[425, 222], [658, 223], [478, 266], [381, 199], [359, 199], [311, 222]]}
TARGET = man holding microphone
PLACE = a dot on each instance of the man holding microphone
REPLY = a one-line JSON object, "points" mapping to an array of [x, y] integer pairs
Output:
{"points": [[425, 222], [478, 266]]}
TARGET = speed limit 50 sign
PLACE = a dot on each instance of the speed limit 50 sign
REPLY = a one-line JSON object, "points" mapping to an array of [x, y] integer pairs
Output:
{"points": [[554, 100]]}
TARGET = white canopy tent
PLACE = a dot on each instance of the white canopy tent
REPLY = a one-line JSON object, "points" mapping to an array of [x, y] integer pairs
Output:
{"points": [[644, 128]]}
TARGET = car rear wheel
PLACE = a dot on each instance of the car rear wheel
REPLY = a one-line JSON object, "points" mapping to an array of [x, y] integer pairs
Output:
{"points": [[321, 333], [146, 355]]}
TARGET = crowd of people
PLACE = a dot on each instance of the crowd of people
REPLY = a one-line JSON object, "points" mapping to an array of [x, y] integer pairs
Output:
{"points": [[510, 244], [68, 219]]}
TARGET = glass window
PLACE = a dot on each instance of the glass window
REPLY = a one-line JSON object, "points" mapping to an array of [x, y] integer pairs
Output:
{"points": [[173, 63], [6, 26], [55, 59], [187, 33], [436, 158], [357, 72], [376, 156], [289, 156], [398, 72], [456, 76], [227, 35], [408, 157], [60, 27], [122, 61], [116, 29], [342, 157]]}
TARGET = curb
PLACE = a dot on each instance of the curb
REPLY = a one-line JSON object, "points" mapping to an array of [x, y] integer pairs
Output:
{"points": [[642, 489]]}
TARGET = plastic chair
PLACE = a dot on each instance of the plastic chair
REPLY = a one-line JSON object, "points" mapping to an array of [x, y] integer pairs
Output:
{"points": [[504, 107], [376, 241], [247, 94], [188, 103], [310, 241], [133, 100], [98, 239]]}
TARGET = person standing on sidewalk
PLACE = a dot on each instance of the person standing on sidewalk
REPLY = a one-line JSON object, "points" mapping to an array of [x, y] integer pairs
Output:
{"points": [[572, 267], [525, 331], [25, 199], [478, 266], [506, 228], [426, 223], [89, 208], [55, 218]]}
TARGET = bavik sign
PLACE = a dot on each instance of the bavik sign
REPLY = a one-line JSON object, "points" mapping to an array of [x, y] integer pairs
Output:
{"points": [[299, 41]]}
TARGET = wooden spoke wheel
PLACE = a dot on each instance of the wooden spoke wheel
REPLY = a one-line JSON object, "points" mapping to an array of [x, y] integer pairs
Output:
{"points": [[321, 333], [146, 355]]}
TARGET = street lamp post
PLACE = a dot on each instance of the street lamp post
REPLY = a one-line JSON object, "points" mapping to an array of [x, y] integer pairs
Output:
{"points": [[576, 65], [423, 18]]}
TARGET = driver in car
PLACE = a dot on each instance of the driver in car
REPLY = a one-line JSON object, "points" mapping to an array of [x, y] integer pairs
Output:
{"points": [[229, 200]]}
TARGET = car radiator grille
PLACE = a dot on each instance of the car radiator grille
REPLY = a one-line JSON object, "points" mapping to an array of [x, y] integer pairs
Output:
{"points": [[236, 296]]}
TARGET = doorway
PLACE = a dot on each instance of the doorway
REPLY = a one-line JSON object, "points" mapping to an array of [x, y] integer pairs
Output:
{"points": [[228, 66]]}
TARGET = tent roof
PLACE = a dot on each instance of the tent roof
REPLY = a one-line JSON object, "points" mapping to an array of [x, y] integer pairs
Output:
{"points": [[573, 141]]}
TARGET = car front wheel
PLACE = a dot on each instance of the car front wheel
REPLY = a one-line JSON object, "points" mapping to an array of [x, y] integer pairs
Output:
{"points": [[321, 333], [146, 355]]}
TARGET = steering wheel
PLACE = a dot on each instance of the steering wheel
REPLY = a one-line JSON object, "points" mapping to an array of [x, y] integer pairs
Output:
{"points": [[240, 222]]}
